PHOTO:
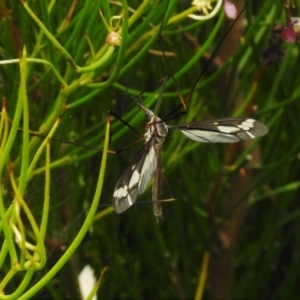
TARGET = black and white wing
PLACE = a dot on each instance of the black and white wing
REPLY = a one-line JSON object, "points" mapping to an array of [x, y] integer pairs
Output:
{"points": [[227, 130], [136, 177]]}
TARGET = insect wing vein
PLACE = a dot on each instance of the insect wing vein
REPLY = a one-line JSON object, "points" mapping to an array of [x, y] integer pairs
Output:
{"points": [[135, 178], [228, 130]]}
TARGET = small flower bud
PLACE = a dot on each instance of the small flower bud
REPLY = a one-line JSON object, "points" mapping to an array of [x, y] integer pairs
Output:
{"points": [[229, 9], [113, 39]]}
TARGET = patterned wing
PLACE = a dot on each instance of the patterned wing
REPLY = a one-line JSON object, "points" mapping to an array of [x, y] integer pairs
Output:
{"points": [[135, 178], [227, 130]]}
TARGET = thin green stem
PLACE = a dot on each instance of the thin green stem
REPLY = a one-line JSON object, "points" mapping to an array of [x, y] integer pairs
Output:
{"points": [[41, 61], [56, 44], [85, 227]]}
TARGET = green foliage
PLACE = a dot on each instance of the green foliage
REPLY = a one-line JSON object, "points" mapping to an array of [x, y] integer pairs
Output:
{"points": [[236, 213]]}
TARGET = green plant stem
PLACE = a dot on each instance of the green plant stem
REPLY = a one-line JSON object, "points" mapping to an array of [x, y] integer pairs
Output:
{"points": [[17, 293], [85, 227], [5, 159], [7, 278], [64, 52], [98, 63], [25, 154], [41, 61], [46, 207], [139, 12]]}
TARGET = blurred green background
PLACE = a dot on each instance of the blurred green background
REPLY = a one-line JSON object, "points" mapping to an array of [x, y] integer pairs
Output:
{"points": [[236, 217]]}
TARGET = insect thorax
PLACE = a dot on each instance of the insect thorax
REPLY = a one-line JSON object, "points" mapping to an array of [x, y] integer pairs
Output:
{"points": [[156, 127]]}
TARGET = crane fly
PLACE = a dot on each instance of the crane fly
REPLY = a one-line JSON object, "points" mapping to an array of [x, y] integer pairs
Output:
{"points": [[147, 163]]}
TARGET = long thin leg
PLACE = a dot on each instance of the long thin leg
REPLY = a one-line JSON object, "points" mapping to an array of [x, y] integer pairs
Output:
{"points": [[157, 188]]}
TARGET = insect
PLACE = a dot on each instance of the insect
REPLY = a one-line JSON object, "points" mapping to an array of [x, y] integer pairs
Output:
{"points": [[147, 163]]}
